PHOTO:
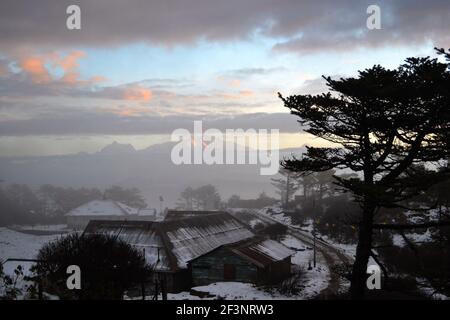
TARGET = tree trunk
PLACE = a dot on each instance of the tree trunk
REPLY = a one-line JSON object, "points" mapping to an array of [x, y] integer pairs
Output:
{"points": [[359, 272], [364, 248]]}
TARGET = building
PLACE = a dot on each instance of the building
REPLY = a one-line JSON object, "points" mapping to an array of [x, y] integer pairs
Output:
{"points": [[256, 260], [170, 245], [181, 214], [151, 214], [79, 217]]}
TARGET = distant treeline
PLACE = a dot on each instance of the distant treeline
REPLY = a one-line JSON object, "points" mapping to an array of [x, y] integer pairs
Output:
{"points": [[207, 197], [20, 204], [262, 201], [336, 213]]}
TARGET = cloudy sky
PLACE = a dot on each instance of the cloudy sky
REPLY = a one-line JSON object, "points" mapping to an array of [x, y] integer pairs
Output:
{"points": [[139, 69]]}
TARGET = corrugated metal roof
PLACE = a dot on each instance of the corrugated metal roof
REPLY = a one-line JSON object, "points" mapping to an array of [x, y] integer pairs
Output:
{"points": [[179, 241], [141, 234], [196, 236], [262, 252], [181, 214]]}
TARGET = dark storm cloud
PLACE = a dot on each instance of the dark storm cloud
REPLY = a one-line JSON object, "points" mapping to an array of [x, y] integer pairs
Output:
{"points": [[300, 26], [76, 123]]}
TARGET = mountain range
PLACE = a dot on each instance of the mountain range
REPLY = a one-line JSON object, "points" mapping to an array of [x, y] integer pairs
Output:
{"points": [[151, 170]]}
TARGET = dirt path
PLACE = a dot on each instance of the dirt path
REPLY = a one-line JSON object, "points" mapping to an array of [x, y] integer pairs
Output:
{"points": [[332, 256]]}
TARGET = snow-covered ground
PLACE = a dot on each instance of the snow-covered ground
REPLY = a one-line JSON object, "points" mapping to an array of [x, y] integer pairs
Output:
{"points": [[426, 288], [231, 291], [14, 244], [419, 236], [312, 281], [19, 245], [38, 227], [416, 238], [276, 212]]}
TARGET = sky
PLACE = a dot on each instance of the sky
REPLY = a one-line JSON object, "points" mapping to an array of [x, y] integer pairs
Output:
{"points": [[137, 70]]}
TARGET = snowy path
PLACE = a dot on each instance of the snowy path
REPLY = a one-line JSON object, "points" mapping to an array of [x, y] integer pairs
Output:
{"points": [[332, 255]]}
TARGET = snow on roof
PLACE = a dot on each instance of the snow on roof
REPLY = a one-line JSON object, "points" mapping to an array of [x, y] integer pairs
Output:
{"points": [[179, 241], [273, 249], [196, 236], [126, 208], [251, 219], [152, 214], [102, 208], [262, 251], [181, 214], [141, 234], [147, 212]]}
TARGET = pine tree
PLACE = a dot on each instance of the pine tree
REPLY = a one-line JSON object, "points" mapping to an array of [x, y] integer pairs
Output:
{"points": [[381, 123], [285, 186]]}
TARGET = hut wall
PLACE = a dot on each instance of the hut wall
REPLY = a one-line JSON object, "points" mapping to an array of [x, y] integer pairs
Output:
{"points": [[222, 265]]}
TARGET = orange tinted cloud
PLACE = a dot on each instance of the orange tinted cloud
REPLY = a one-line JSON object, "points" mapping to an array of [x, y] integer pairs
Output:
{"points": [[239, 95], [138, 94], [70, 62], [71, 78], [35, 66], [97, 79], [129, 111], [246, 93], [235, 83]]}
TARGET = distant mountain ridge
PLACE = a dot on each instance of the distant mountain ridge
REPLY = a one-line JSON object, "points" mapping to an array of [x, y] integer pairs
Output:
{"points": [[149, 169], [115, 148]]}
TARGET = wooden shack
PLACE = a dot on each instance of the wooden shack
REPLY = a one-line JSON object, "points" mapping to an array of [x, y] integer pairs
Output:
{"points": [[258, 260], [170, 245]]}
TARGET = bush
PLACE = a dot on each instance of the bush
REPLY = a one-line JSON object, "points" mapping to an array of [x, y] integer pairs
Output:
{"points": [[108, 266], [290, 286], [274, 231]]}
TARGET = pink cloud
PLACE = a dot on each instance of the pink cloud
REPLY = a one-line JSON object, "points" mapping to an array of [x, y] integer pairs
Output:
{"points": [[246, 93], [70, 61], [127, 111], [35, 66], [235, 83], [137, 94], [241, 94]]}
